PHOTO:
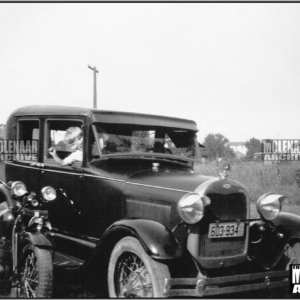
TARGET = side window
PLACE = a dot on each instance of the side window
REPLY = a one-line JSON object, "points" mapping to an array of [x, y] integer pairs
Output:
{"points": [[26, 146], [55, 132]]}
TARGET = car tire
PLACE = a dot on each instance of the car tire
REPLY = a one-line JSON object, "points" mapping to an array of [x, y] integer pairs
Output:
{"points": [[133, 273]]}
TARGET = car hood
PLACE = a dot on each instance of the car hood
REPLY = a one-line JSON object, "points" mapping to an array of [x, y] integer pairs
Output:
{"points": [[167, 179], [150, 178], [164, 185]]}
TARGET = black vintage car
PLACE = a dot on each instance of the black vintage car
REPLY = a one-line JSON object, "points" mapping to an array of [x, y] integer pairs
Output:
{"points": [[135, 213]]}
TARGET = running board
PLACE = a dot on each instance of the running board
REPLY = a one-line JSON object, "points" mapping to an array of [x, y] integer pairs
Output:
{"points": [[64, 261]]}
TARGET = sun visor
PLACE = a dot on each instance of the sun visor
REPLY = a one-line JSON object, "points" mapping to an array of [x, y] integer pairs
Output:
{"points": [[129, 118]]}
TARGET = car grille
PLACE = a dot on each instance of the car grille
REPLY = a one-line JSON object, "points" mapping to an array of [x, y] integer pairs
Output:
{"points": [[223, 208]]}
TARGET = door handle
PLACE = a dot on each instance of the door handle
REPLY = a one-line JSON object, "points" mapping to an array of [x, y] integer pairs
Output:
{"points": [[39, 165]]}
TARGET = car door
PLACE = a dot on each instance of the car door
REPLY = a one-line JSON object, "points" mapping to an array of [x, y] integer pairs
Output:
{"points": [[65, 214], [25, 154]]}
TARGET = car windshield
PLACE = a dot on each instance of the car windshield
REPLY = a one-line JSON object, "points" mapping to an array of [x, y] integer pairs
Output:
{"points": [[138, 139]]}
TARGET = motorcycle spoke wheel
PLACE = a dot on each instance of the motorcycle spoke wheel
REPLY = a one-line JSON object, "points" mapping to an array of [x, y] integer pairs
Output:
{"points": [[36, 273], [132, 279], [30, 276]]}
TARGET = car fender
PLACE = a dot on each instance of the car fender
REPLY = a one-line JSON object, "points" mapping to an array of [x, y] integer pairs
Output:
{"points": [[157, 240], [289, 223], [287, 230]]}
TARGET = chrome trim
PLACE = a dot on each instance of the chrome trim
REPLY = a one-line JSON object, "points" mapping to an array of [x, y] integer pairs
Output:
{"points": [[102, 177], [158, 187], [29, 167], [57, 171], [200, 189], [140, 184], [44, 169], [119, 180]]}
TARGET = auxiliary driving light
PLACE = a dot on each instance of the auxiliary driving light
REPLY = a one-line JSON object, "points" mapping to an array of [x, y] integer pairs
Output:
{"points": [[18, 188], [48, 193]]}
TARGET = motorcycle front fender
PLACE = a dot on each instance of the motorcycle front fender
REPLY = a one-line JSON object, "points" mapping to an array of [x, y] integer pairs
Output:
{"points": [[39, 240]]}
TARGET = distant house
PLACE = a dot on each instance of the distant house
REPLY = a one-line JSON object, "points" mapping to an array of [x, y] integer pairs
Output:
{"points": [[2, 130], [238, 147]]}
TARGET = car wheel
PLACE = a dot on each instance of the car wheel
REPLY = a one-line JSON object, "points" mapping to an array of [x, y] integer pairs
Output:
{"points": [[132, 273]]}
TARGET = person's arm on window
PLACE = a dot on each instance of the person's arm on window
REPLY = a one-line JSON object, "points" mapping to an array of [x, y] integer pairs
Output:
{"points": [[61, 162]]}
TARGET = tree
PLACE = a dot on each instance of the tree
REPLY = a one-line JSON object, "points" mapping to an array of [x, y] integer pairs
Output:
{"points": [[253, 146], [216, 147]]}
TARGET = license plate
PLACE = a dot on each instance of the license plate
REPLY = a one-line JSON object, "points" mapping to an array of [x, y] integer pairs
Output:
{"points": [[224, 230]]}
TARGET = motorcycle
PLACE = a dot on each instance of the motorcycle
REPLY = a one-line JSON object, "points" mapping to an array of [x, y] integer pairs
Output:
{"points": [[26, 269]]}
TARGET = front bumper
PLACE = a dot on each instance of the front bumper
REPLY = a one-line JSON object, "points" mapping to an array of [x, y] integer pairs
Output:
{"points": [[201, 287]]}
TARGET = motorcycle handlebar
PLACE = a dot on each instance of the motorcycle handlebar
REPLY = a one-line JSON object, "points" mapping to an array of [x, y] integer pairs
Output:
{"points": [[30, 212]]}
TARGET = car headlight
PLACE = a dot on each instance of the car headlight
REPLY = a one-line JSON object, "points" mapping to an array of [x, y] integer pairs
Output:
{"points": [[269, 205], [18, 188], [191, 207], [48, 193]]}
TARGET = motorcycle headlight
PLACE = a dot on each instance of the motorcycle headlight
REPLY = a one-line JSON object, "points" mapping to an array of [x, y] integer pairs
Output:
{"points": [[191, 207], [269, 205], [48, 193], [18, 188]]}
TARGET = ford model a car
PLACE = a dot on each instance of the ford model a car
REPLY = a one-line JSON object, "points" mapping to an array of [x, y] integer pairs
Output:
{"points": [[135, 213]]}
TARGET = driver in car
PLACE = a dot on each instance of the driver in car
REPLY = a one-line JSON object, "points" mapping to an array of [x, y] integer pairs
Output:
{"points": [[73, 137]]}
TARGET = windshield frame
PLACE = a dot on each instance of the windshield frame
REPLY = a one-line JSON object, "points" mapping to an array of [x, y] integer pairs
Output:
{"points": [[141, 154]]}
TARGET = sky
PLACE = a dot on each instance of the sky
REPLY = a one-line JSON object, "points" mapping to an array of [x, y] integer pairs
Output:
{"points": [[234, 68]]}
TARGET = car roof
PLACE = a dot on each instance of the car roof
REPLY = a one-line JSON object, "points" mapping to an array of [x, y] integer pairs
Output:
{"points": [[97, 115]]}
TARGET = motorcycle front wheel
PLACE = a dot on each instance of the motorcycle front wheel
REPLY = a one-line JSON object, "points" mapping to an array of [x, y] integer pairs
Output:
{"points": [[36, 273]]}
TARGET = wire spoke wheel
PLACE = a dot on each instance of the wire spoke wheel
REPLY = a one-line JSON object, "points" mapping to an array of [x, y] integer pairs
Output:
{"points": [[132, 273], [29, 277], [132, 279], [36, 273]]}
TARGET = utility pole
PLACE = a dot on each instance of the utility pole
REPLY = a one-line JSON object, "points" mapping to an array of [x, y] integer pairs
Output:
{"points": [[95, 85]]}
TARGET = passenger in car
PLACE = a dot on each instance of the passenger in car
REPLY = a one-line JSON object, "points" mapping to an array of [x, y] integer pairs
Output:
{"points": [[73, 137], [103, 138]]}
